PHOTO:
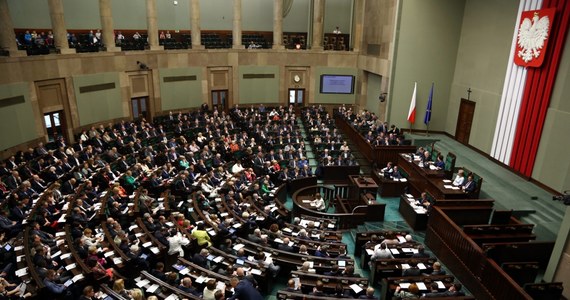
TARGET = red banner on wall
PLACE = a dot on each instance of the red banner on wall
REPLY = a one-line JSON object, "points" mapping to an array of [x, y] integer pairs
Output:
{"points": [[533, 37]]}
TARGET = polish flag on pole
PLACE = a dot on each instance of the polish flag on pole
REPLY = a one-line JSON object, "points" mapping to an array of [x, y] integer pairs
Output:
{"points": [[412, 112]]}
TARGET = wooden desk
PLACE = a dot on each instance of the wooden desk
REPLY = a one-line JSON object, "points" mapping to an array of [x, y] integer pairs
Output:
{"points": [[388, 187], [425, 179], [360, 185], [416, 219]]}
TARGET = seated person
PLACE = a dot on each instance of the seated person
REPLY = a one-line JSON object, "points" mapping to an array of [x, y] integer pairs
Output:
{"points": [[413, 270], [459, 178], [437, 270], [440, 164], [318, 290], [454, 291], [424, 200], [469, 186], [369, 294], [381, 252], [319, 202], [396, 175], [387, 169], [186, 286]]}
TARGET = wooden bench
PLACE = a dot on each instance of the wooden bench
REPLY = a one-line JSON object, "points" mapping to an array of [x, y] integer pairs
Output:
{"points": [[502, 252]]}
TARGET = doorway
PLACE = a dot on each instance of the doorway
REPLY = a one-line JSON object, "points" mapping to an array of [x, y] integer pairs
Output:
{"points": [[220, 100], [297, 98], [464, 121], [139, 108], [55, 125]]}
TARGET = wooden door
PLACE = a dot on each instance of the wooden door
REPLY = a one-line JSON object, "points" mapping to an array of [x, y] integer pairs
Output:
{"points": [[464, 121], [219, 100]]}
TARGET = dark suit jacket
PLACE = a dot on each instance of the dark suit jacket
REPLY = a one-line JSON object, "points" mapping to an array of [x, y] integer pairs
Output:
{"points": [[200, 260], [284, 247], [245, 290]]}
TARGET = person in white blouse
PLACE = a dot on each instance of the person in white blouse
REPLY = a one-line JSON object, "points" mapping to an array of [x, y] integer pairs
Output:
{"points": [[175, 243], [237, 167], [318, 202], [211, 191], [459, 178]]}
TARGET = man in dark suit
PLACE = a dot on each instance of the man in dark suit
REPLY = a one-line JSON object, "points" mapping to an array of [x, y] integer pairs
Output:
{"points": [[318, 290], [13, 181], [369, 294], [68, 187], [243, 289], [454, 291], [186, 286], [201, 259], [469, 186], [285, 245], [17, 212]]}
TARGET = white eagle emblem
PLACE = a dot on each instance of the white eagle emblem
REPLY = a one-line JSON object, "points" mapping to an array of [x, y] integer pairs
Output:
{"points": [[531, 37]]}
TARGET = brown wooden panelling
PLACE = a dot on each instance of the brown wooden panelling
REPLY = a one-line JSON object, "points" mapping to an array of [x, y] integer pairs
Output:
{"points": [[179, 78], [50, 95], [258, 76], [96, 87], [219, 78], [138, 85], [12, 101]]}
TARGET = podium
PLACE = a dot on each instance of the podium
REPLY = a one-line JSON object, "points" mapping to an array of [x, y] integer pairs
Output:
{"points": [[363, 188]]}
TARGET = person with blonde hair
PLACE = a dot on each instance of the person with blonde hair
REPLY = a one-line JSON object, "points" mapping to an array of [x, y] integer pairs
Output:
{"points": [[137, 294], [119, 287]]}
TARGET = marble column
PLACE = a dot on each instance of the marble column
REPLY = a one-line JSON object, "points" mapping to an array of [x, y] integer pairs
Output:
{"points": [[58, 26], [196, 32], [152, 25], [107, 25], [236, 32], [358, 28], [7, 35], [318, 24], [278, 24]]}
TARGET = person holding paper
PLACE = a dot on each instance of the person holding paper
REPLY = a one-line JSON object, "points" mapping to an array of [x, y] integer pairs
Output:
{"points": [[318, 202]]}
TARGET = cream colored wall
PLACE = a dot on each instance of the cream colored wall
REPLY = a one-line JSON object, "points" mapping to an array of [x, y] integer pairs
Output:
{"points": [[552, 165], [17, 120], [98, 106], [337, 13], [181, 94], [481, 64], [259, 90], [298, 18], [428, 39], [173, 17]]}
